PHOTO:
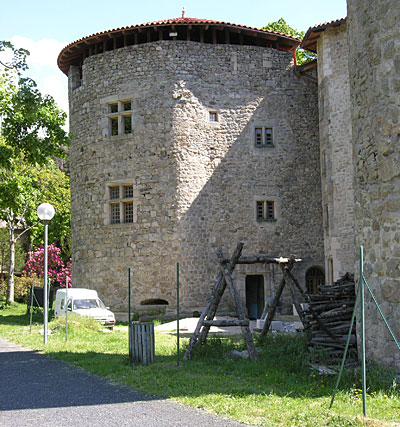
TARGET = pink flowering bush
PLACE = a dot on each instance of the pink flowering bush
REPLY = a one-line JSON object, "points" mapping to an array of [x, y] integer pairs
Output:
{"points": [[57, 270]]}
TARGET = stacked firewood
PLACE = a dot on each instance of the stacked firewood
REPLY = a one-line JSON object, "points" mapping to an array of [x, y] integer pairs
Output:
{"points": [[334, 306]]}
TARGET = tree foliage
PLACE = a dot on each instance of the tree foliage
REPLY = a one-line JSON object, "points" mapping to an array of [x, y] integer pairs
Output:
{"points": [[31, 124], [31, 136], [281, 26]]}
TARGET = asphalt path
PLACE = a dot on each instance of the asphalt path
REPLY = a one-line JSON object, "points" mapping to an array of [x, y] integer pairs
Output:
{"points": [[36, 390]]}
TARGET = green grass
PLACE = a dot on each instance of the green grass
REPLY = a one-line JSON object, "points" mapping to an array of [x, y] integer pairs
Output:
{"points": [[278, 390]]}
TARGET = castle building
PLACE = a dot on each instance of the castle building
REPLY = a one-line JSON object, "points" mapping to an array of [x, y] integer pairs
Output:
{"points": [[192, 135]]}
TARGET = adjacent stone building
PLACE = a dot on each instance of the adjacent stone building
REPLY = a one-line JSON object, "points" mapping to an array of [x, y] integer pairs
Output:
{"points": [[329, 41], [374, 65], [190, 135]]}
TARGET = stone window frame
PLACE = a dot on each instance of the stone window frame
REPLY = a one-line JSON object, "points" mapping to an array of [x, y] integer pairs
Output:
{"points": [[263, 136], [213, 116], [121, 203], [118, 119], [264, 147], [266, 203]]}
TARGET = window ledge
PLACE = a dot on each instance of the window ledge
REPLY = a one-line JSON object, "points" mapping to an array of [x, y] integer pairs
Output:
{"points": [[266, 219]]}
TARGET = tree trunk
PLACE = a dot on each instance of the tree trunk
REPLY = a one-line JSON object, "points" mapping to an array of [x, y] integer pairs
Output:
{"points": [[10, 285]]}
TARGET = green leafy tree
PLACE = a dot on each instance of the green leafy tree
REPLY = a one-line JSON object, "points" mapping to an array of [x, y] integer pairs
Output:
{"points": [[31, 124], [281, 26], [31, 136], [22, 188]]}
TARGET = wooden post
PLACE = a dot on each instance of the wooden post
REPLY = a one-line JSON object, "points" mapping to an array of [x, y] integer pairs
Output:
{"points": [[212, 305], [239, 310], [271, 312]]}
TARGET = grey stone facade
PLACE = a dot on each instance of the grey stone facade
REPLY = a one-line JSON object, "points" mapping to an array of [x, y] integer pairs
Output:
{"points": [[195, 182], [336, 152], [374, 64]]}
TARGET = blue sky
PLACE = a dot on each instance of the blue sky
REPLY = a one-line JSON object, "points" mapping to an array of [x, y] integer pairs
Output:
{"points": [[44, 26]]}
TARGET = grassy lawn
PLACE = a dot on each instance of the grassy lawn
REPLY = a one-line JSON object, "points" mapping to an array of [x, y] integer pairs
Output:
{"points": [[278, 390]]}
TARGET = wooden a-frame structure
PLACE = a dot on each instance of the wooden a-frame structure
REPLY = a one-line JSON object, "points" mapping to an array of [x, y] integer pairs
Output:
{"points": [[225, 279]]}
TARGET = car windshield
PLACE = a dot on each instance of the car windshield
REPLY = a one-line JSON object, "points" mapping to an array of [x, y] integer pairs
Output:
{"points": [[87, 303]]}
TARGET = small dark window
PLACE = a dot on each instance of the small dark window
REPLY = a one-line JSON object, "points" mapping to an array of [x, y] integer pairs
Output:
{"points": [[263, 137], [213, 116], [115, 213], [114, 108], [127, 106], [315, 278], [260, 210], [268, 136], [128, 191], [265, 210], [127, 124], [128, 212], [114, 193], [114, 126], [258, 136]]}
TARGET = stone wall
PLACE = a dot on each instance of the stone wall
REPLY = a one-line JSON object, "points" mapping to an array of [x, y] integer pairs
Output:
{"points": [[195, 181], [336, 152], [374, 63]]}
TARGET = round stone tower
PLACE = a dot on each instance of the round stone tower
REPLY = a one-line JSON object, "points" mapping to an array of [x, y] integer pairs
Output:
{"points": [[189, 135]]}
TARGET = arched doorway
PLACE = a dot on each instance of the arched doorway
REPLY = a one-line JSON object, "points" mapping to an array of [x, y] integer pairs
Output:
{"points": [[315, 278]]}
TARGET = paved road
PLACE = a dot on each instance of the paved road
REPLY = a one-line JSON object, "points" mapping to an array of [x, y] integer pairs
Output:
{"points": [[36, 390]]}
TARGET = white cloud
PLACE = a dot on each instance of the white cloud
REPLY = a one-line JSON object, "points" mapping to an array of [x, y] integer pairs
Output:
{"points": [[43, 68]]}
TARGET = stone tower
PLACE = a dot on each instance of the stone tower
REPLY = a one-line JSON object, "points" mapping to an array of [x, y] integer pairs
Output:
{"points": [[374, 64], [189, 135]]}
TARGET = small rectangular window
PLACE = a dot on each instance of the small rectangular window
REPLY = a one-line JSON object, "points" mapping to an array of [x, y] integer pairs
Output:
{"points": [[115, 213], [120, 118], [128, 191], [260, 210], [258, 136], [213, 116], [127, 124], [128, 212], [268, 136], [114, 193], [263, 137], [265, 210], [114, 125], [269, 211]]}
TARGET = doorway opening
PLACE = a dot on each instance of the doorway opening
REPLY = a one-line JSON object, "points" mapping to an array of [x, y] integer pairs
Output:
{"points": [[255, 295]]}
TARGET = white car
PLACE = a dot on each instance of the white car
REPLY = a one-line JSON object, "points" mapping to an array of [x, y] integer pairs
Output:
{"points": [[84, 302]]}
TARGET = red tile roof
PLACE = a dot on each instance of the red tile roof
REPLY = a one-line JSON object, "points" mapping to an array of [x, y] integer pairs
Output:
{"points": [[70, 51], [310, 38]]}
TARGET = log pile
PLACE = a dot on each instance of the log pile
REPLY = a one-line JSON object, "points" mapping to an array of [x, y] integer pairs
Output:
{"points": [[334, 306]]}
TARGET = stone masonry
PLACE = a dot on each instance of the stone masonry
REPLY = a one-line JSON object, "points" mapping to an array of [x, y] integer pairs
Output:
{"points": [[196, 181], [336, 151], [374, 64]]}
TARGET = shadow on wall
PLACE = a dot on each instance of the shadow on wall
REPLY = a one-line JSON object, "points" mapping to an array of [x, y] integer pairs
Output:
{"points": [[224, 175]]}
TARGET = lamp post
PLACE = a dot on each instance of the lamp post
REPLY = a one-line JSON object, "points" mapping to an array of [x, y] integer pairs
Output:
{"points": [[45, 213]]}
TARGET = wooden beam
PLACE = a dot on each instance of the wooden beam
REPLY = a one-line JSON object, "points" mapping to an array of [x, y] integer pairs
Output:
{"points": [[214, 36], [227, 36], [226, 322]]}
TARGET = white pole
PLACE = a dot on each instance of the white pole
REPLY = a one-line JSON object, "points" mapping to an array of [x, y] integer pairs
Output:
{"points": [[46, 223]]}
